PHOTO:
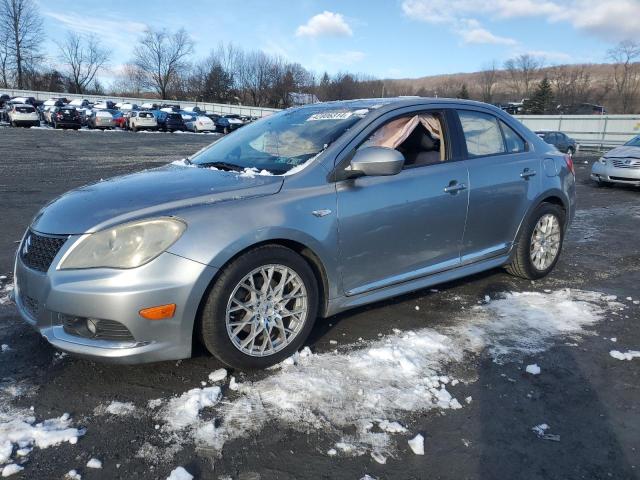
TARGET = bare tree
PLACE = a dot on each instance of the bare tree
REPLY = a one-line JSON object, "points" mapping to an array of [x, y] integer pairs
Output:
{"points": [[521, 73], [84, 58], [488, 80], [21, 25], [161, 55], [626, 74], [5, 59]]}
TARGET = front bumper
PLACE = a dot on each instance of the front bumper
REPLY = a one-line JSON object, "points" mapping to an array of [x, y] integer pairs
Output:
{"points": [[609, 173], [118, 295]]}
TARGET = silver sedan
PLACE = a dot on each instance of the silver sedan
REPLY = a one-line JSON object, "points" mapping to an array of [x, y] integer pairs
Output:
{"points": [[620, 165], [303, 214]]}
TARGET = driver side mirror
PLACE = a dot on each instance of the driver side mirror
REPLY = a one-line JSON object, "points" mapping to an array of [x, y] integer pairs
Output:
{"points": [[376, 161]]}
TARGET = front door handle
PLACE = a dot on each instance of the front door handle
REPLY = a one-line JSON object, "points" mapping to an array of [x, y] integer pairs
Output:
{"points": [[527, 172], [454, 187]]}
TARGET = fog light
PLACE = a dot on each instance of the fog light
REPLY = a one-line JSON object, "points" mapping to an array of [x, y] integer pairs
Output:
{"points": [[91, 326]]}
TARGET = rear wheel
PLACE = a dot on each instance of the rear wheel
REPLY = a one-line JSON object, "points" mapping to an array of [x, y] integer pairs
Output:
{"points": [[539, 243], [260, 309]]}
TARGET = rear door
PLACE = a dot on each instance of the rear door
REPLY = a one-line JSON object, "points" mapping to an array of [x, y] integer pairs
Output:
{"points": [[504, 178]]}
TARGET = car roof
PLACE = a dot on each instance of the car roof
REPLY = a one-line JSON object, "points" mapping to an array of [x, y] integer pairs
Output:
{"points": [[391, 103]]}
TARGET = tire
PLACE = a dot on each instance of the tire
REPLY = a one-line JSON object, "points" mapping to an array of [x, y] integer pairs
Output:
{"points": [[225, 130], [212, 325], [134, 129], [522, 264]]}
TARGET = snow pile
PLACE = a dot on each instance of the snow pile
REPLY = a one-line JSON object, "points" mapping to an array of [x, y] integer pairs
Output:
{"points": [[183, 411], [253, 171], [11, 469], [398, 374], [94, 463], [417, 444], [533, 369], [630, 355], [218, 375], [5, 294], [21, 431], [180, 474]]}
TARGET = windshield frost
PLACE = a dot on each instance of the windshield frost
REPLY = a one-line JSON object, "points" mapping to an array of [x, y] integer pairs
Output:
{"points": [[280, 142]]}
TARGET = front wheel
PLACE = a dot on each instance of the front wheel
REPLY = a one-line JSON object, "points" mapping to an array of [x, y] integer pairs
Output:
{"points": [[261, 308], [539, 243]]}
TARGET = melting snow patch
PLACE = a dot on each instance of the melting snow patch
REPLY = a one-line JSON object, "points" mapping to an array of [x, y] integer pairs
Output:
{"points": [[117, 408], [5, 294], [395, 375], [182, 412], [417, 444], [180, 474], [533, 369], [4, 348], [630, 355], [218, 375], [94, 463], [11, 469], [73, 475]]}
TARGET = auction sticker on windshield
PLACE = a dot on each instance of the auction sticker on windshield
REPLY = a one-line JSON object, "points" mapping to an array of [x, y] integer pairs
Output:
{"points": [[329, 116]]}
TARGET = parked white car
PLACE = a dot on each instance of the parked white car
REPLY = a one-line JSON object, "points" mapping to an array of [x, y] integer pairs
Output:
{"points": [[142, 121], [24, 115], [48, 111], [79, 103], [200, 124]]}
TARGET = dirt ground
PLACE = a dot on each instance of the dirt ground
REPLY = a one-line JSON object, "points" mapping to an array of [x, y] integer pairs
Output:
{"points": [[591, 399]]}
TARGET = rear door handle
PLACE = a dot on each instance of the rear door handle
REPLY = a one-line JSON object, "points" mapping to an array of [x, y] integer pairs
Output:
{"points": [[454, 187], [527, 172]]}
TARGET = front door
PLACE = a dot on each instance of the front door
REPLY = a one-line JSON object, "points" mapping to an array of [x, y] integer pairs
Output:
{"points": [[396, 228]]}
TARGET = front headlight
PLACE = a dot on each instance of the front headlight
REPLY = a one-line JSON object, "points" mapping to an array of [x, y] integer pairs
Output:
{"points": [[126, 246], [603, 160]]}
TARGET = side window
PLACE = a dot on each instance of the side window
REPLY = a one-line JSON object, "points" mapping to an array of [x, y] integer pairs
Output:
{"points": [[482, 133], [513, 141], [419, 137]]}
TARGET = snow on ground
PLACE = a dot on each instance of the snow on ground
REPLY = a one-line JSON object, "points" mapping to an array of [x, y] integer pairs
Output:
{"points": [[116, 408], [630, 355], [11, 469], [180, 474], [5, 293], [375, 386], [94, 463], [417, 444], [533, 369]]}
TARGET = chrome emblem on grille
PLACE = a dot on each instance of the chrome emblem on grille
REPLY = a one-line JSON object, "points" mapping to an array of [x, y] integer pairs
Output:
{"points": [[26, 245]]}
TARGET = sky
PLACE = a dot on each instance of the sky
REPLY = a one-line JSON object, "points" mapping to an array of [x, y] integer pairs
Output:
{"points": [[386, 39]]}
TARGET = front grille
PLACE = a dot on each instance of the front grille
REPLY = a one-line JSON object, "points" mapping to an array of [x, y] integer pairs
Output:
{"points": [[38, 251], [102, 329], [626, 163]]}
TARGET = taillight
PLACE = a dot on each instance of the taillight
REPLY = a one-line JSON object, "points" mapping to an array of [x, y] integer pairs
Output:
{"points": [[569, 160]]}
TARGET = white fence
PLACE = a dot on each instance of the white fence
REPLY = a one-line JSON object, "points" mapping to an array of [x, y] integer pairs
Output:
{"points": [[588, 130], [220, 108]]}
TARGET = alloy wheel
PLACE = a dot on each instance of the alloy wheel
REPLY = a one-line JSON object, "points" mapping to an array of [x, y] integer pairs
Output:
{"points": [[266, 310], [545, 242]]}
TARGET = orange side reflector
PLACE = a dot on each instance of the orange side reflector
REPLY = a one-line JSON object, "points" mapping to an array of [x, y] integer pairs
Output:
{"points": [[158, 313]]}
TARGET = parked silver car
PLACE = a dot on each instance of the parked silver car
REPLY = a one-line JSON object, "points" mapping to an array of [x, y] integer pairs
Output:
{"points": [[620, 165], [303, 214]]}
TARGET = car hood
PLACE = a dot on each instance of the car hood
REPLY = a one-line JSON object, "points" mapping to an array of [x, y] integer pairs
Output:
{"points": [[625, 151], [160, 191]]}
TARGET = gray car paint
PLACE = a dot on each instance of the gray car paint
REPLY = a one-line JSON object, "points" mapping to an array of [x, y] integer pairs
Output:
{"points": [[377, 237]]}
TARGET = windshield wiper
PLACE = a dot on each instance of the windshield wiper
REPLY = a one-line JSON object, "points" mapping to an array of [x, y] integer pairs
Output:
{"points": [[221, 165]]}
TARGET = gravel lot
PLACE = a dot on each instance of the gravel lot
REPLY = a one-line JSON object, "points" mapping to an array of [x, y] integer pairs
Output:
{"points": [[588, 398]]}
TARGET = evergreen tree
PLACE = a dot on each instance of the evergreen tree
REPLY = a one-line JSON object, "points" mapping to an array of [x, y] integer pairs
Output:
{"points": [[463, 93], [541, 102]]}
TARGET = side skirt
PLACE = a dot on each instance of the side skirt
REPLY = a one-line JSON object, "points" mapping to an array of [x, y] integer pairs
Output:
{"points": [[343, 303]]}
